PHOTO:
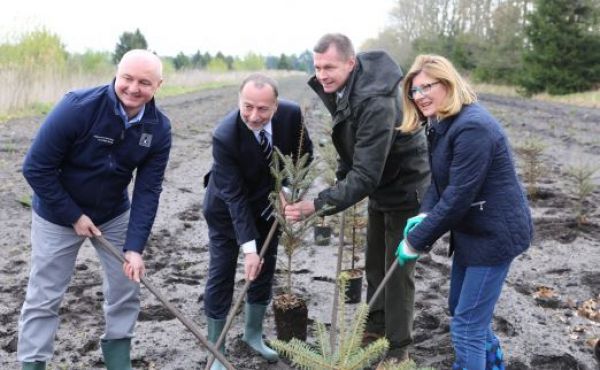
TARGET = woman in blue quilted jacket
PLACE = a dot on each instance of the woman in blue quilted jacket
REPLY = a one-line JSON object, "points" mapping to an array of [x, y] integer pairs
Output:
{"points": [[474, 194]]}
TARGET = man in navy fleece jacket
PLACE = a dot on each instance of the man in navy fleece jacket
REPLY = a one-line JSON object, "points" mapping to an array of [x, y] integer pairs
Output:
{"points": [[79, 166]]}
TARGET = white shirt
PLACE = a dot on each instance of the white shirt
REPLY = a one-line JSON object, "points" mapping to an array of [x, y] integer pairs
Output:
{"points": [[250, 246], [268, 130]]}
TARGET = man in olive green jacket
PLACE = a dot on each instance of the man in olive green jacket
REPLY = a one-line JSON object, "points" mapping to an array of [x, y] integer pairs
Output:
{"points": [[376, 161]]}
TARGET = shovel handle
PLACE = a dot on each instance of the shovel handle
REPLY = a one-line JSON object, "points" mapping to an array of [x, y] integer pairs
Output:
{"points": [[336, 295], [178, 314], [386, 278]]}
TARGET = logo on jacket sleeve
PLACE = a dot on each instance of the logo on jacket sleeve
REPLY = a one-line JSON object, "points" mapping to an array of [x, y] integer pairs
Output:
{"points": [[145, 140]]}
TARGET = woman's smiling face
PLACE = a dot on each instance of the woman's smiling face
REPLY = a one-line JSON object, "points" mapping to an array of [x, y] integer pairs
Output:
{"points": [[428, 94]]}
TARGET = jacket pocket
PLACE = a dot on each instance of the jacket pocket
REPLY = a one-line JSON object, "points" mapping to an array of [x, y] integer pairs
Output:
{"points": [[478, 204], [480, 219]]}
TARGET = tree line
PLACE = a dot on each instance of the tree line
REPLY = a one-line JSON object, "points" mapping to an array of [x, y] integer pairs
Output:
{"points": [[42, 50], [218, 62], [539, 45]]}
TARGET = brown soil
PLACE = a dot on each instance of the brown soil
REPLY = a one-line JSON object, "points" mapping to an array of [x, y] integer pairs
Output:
{"points": [[291, 317], [564, 256]]}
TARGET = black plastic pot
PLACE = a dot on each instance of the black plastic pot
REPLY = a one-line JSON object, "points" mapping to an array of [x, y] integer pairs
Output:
{"points": [[354, 287], [291, 320], [322, 235]]}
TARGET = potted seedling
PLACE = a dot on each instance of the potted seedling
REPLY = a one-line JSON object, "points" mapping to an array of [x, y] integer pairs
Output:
{"points": [[328, 164], [355, 275], [322, 232], [291, 312], [346, 352]]}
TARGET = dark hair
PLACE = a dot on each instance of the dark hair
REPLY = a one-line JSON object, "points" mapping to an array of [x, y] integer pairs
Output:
{"points": [[341, 42], [260, 80]]}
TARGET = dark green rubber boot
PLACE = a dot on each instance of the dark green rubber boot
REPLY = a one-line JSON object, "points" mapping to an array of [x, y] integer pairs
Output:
{"points": [[37, 365], [255, 314], [215, 327], [116, 353]]}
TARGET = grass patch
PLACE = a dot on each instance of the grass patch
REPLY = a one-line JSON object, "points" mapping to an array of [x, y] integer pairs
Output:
{"points": [[36, 109], [24, 200], [502, 90], [166, 91], [588, 99], [56, 85]]}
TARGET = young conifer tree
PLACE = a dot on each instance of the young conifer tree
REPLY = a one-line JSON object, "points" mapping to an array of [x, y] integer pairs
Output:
{"points": [[348, 353], [293, 181]]}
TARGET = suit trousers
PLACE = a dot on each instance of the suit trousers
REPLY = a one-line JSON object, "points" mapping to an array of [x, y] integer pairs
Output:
{"points": [[392, 313], [53, 255], [224, 251]]}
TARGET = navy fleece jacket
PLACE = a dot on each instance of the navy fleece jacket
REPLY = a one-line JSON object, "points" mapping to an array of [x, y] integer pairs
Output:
{"points": [[82, 161]]}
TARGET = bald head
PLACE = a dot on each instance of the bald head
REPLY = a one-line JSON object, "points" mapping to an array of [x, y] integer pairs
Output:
{"points": [[142, 59], [139, 75]]}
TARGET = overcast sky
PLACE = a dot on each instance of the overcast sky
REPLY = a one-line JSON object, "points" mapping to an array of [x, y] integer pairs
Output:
{"points": [[268, 27]]}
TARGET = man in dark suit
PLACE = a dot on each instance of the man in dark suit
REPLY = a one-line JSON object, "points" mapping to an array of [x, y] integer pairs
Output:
{"points": [[236, 203]]}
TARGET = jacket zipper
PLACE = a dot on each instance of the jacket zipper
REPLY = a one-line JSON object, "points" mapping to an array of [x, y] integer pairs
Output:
{"points": [[480, 204]]}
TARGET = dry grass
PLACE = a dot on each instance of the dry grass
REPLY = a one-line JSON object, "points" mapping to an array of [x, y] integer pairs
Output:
{"points": [[183, 82], [24, 92], [495, 89], [589, 99]]}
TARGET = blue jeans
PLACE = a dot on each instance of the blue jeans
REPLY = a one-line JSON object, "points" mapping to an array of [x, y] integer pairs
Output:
{"points": [[474, 291]]}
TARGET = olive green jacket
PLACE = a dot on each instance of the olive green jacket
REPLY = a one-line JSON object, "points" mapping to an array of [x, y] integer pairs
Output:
{"points": [[375, 159]]}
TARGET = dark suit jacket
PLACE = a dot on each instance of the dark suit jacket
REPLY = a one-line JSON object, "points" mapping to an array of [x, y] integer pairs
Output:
{"points": [[240, 180]]}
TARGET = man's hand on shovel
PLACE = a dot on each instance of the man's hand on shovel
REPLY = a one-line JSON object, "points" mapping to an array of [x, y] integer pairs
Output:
{"points": [[252, 266], [133, 267]]}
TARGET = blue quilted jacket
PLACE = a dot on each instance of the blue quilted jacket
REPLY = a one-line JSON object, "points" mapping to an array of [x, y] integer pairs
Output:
{"points": [[474, 192]]}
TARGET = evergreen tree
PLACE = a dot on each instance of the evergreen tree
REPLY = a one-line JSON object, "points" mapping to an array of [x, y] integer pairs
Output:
{"points": [[221, 60], [271, 62], [198, 60], [181, 61], [129, 41], [305, 62], [284, 62], [207, 58], [564, 51], [229, 61]]}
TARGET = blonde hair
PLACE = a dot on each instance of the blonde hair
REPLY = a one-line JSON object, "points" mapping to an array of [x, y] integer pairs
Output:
{"points": [[435, 66]]}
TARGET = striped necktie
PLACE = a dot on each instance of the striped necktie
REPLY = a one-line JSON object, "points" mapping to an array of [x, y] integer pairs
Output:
{"points": [[267, 150], [265, 146]]}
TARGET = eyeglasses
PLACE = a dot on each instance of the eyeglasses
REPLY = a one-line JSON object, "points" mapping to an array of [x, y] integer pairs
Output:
{"points": [[423, 89]]}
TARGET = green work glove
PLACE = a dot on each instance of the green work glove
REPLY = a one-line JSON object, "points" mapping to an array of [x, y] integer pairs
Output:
{"points": [[412, 222], [405, 253]]}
